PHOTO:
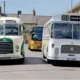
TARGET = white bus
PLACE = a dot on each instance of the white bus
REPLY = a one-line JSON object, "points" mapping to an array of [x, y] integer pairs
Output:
{"points": [[61, 38], [11, 39]]}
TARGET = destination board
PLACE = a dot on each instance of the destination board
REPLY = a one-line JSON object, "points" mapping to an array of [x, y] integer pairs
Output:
{"points": [[65, 17], [11, 21], [74, 18]]}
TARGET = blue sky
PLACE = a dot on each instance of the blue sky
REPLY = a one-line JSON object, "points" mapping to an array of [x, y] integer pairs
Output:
{"points": [[42, 7]]}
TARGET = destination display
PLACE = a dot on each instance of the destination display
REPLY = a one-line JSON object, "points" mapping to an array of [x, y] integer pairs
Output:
{"points": [[11, 21], [74, 18], [65, 17]]}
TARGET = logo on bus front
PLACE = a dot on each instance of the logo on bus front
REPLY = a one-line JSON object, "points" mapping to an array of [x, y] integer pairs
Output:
{"points": [[71, 42], [72, 49]]}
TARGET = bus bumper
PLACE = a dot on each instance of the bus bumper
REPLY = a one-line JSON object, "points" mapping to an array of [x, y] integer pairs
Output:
{"points": [[33, 47], [11, 57], [63, 59]]}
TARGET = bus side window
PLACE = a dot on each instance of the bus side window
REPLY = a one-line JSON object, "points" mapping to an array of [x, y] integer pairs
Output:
{"points": [[49, 31], [23, 27], [20, 29]]}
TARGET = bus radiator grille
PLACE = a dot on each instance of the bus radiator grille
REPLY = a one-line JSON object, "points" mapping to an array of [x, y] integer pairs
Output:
{"points": [[6, 47], [75, 49]]}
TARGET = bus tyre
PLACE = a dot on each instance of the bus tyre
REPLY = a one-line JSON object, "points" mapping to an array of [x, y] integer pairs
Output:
{"points": [[48, 61], [22, 60], [44, 56]]}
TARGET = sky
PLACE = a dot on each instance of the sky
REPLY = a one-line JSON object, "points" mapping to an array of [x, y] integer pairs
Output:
{"points": [[42, 7]]}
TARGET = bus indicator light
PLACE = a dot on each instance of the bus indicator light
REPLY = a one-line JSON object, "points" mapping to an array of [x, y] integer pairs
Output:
{"points": [[52, 45]]}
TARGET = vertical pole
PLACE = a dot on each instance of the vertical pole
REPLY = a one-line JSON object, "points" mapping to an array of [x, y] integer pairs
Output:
{"points": [[4, 7], [67, 9], [33, 5], [71, 5]]}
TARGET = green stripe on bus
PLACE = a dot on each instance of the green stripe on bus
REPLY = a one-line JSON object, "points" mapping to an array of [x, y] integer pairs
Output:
{"points": [[6, 39], [22, 49]]}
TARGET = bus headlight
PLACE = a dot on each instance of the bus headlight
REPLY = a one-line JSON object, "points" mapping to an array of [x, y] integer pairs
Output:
{"points": [[17, 46]]}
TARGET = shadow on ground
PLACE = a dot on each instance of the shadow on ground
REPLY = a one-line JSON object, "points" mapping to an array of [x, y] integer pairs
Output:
{"points": [[27, 61], [34, 60], [38, 60], [35, 50], [65, 63]]}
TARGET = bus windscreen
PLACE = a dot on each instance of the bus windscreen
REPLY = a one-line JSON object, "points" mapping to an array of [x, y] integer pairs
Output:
{"points": [[65, 30]]}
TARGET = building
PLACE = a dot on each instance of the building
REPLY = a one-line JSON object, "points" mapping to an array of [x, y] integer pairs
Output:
{"points": [[75, 9], [29, 20]]}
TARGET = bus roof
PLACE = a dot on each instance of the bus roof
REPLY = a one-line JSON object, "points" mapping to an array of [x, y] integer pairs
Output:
{"points": [[65, 17], [4, 19]]}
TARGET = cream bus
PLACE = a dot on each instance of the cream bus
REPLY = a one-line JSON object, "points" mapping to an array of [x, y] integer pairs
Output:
{"points": [[61, 38], [11, 39]]}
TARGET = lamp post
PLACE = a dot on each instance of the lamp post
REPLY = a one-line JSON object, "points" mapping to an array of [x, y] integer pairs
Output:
{"points": [[71, 5], [4, 7]]}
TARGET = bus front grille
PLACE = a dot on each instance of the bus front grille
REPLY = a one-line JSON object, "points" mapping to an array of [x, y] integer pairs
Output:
{"points": [[75, 49], [6, 47]]}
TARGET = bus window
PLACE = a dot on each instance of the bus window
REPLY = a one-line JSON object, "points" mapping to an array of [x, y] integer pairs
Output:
{"points": [[21, 30], [11, 29], [76, 31], [1, 30], [38, 29], [61, 30], [37, 36]]}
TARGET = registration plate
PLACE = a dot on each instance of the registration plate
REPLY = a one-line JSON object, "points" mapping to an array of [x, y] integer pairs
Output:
{"points": [[4, 58], [71, 59]]}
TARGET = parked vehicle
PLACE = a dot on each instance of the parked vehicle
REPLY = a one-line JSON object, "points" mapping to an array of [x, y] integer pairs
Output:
{"points": [[61, 38], [35, 38], [11, 39]]}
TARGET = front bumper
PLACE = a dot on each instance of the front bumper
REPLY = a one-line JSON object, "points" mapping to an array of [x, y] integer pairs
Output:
{"points": [[10, 57], [36, 47], [63, 58]]}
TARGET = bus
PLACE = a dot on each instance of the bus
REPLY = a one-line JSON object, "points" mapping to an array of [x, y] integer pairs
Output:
{"points": [[61, 38], [35, 38], [11, 39]]}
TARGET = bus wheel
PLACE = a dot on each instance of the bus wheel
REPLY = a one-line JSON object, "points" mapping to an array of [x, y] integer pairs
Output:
{"points": [[22, 60], [44, 56], [48, 61]]}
